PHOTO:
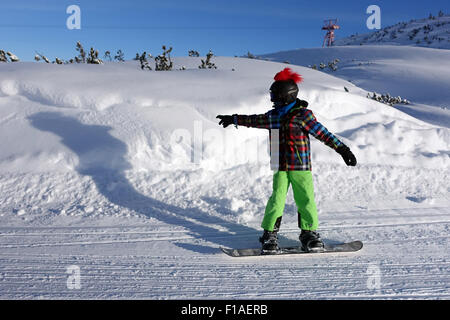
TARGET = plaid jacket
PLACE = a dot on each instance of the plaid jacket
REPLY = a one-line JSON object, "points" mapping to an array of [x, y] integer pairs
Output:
{"points": [[292, 153]]}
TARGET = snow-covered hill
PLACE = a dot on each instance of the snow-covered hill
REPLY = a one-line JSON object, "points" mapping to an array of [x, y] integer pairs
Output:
{"points": [[126, 174], [432, 32], [420, 75]]}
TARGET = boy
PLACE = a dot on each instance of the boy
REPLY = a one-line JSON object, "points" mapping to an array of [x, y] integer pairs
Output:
{"points": [[289, 124]]}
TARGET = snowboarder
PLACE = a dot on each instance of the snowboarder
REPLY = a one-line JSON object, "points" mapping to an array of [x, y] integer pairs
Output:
{"points": [[290, 123]]}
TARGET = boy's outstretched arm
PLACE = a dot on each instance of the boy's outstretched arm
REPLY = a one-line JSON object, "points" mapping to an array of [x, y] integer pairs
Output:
{"points": [[315, 128], [225, 120], [262, 121]]}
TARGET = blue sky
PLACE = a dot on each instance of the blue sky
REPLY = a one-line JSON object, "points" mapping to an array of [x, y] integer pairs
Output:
{"points": [[227, 27]]}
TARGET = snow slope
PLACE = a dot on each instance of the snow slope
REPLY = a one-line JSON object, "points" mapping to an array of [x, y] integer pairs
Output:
{"points": [[126, 174], [430, 32], [417, 74]]}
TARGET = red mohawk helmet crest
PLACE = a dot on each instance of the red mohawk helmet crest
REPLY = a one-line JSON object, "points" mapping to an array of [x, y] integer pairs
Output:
{"points": [[288, 74], [284, 90]]}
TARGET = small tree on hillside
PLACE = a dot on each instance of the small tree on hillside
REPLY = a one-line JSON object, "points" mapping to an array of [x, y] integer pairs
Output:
{"points": [[163, 61], [250, 55], [12, 57], [107, 55], [193, 53], [143, 60], [119, 56], [93, 57], [3, 57], [39, 57], [81, 58], [207, 64]]}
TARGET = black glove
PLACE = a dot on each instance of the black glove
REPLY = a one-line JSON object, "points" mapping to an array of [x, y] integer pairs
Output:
{"points": [[225, 120], [347, 155]]}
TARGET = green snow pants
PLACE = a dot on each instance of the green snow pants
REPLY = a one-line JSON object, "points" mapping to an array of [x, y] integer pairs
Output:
{"points": [[303, 188]]}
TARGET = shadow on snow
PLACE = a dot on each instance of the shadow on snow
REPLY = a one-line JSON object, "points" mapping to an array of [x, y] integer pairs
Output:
{"points": [[103, 158]]}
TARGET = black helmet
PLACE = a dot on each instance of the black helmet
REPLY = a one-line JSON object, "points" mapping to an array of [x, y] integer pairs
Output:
{"points": [[283, 92]]}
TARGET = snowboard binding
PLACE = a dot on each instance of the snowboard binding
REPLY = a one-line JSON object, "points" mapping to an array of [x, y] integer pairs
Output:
{"points": [[269, 239], [311, 241]]}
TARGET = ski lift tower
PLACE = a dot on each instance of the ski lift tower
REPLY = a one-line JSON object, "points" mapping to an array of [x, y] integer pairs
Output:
{"points": [[330, 25]]}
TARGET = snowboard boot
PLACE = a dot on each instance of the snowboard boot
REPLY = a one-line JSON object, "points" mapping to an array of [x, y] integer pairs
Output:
{"points": [[269, 239], [311, 241]]}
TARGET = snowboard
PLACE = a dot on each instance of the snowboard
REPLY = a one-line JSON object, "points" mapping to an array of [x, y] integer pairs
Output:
{"points": [[329, 248]]}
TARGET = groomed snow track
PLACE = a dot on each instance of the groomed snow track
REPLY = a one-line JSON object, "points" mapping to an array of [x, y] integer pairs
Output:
{"points": [[401, 259]]}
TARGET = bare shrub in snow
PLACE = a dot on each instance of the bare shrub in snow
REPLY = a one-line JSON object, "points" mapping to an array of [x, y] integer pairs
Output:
{"points": [[107, 55], [39, 57], [332, 65], [143, 60], [193, 53], [207, 64], [93, 57], [119, 56], [12, 57], [3, 57], [387, 99], [81, 58], [163, 61], [251, 55]]}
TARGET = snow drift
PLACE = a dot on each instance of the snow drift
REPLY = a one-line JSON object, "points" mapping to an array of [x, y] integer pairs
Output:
{"points": [[417, 74], [166, 120]]}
